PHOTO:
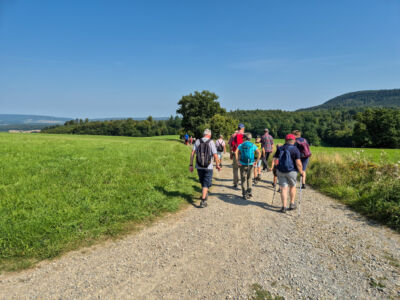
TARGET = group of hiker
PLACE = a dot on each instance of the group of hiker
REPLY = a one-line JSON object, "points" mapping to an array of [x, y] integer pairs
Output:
{"points": [[249, 159]]}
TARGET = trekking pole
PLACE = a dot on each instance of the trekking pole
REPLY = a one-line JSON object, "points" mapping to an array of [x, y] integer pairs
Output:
{"points": [[273, 197], [300, 196]]}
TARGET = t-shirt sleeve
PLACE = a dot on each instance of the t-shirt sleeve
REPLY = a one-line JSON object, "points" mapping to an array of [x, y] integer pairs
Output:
{"points": [[195, 145], [296, 153], [213, 148]]}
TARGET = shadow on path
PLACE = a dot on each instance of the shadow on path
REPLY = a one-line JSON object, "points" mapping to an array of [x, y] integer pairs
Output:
{"points": [[188, 197], [237, 200]]}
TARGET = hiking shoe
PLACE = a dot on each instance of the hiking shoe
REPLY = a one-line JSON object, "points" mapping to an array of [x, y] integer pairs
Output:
{"points": [[283, 210], [273, 185], [303, 186], [203, 203], [235, 186], [292, 206]]}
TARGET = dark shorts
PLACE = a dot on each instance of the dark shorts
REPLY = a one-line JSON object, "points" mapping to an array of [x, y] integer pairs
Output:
{"points": [[304, 161], [205, 177]]}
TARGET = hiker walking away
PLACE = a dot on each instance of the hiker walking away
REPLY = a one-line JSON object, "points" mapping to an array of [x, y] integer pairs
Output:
{"points": [[244, 154], [234, 142], [205, 151], [305, 154], [267, 142], [257, 168], [221, 148], [186, 137], [274, 168], [288, 157]]}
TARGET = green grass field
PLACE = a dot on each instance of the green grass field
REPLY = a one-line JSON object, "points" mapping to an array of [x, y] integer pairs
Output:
{"points": [[372, 155], [58, 192]]}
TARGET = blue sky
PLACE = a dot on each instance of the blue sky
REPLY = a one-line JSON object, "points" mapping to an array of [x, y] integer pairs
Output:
{"points": [[137, 58]]}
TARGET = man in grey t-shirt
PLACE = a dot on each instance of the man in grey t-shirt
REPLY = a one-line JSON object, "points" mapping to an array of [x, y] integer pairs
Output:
{"points": [[205, 173]]}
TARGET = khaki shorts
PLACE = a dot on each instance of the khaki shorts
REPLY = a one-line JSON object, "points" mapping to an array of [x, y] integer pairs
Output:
{"points": [[286, 179]]}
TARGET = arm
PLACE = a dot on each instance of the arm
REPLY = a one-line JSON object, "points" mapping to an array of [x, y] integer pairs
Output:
{"points": [[217, 162], [263, 151], [191, 160], [258, 157], [224, 148], [299, 166], [237, 156]]}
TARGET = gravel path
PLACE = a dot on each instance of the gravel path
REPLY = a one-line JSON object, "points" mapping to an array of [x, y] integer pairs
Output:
{"points": [[329, 252]]}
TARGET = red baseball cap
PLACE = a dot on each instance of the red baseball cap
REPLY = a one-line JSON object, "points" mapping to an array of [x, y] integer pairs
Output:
{"points": [[290, 137]]}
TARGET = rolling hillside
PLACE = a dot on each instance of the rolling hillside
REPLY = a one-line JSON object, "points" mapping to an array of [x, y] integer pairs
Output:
{"points": [[360, 99]]}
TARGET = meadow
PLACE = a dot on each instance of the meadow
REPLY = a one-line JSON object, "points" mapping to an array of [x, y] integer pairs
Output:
{"points": [[380, 156], [59, 192]]}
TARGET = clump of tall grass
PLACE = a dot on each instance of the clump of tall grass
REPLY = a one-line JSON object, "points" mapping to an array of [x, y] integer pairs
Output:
{"points": [[372, 189]]}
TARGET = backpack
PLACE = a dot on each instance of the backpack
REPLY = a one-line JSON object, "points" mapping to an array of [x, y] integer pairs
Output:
{"points": [[304, 148], [237, 139], [247, 153], [203, 154], [285, 164], [220, 146]]}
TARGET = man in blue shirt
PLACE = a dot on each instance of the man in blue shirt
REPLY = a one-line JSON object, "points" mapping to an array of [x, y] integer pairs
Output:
{"points": [[288, 162], [244, 155]]}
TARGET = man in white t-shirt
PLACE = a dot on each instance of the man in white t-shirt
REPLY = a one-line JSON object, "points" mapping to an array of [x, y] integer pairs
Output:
{"points": [[205, 152], [221, 148]]}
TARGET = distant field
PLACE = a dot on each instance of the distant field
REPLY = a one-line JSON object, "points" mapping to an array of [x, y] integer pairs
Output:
{"points": [[58, 192], [373, 155]]}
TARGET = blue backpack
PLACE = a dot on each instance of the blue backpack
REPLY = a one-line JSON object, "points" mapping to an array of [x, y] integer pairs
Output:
{"points": [[247, 153], [285, 164]]}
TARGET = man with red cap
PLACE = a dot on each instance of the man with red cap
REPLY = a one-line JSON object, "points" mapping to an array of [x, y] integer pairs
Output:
{"points": [[288, 164]]}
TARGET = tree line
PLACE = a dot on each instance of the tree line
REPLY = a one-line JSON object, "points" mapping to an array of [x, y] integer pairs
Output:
{"points": [[340, 127], [126, 127]]}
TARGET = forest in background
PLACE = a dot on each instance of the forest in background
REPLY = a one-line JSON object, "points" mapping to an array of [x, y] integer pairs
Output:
{"points": [[342, 126]]}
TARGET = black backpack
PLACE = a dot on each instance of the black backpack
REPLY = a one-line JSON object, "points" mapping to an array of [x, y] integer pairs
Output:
{"points": [[203, 154]]}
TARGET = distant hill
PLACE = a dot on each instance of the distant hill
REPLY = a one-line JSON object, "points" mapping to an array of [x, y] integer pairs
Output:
{"points": [[362, 99], [32, 122], [9, 119]]}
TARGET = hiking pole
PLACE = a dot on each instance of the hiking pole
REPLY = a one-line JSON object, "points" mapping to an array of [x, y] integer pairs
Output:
{"points": [[273, 197], [300, 195]]}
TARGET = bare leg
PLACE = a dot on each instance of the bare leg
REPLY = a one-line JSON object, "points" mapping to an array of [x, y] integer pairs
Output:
{"points": [[303, 179], [204, 193], [292, 194], [284, 194]]}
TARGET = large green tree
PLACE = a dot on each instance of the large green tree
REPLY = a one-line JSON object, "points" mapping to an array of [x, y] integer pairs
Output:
{"points": [[223, 124], [197, 109]]}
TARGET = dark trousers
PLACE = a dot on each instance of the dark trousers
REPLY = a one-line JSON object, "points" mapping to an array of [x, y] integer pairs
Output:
{"points": [[265, 160]]}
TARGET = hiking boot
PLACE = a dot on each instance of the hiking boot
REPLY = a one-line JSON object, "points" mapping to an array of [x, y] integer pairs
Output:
{"points": [[203, 203], [273, 185], [258, 177], [283, 210], [303, 186], [249, 194], [292, 206], [235, 186]]}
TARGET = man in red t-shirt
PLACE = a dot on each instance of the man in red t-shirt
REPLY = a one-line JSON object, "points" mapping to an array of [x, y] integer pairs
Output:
{"points": [[235, 140]]}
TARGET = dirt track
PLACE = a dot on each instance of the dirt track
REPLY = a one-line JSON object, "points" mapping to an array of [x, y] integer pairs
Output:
{"points": [[220, 251]]}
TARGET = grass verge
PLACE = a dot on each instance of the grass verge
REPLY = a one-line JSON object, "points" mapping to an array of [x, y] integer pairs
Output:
{"points": [[59, 192], [369, 188]]}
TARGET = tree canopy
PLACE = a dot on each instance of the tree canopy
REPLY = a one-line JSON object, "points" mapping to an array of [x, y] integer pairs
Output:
{"points": [[197, 110]]}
